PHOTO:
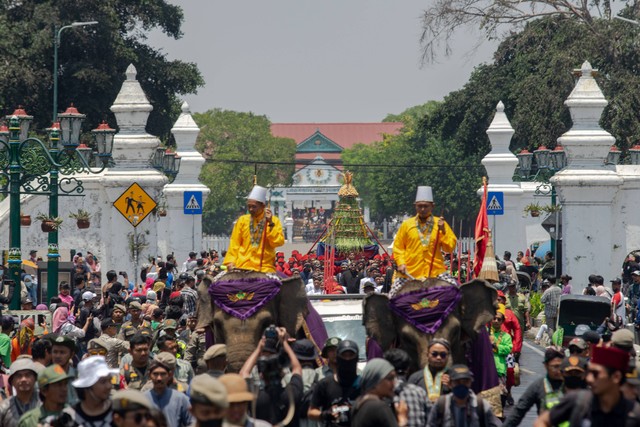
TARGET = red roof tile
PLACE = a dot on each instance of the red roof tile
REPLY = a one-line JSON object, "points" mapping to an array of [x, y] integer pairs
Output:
{"points": [[344, 134]]}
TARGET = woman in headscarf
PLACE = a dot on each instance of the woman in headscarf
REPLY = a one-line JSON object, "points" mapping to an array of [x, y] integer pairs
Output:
{"points": [[64, 324], [21, 343], [378, 381]]}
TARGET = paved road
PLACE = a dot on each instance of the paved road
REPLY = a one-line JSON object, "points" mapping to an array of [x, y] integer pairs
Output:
{"points": [[530, 368]]}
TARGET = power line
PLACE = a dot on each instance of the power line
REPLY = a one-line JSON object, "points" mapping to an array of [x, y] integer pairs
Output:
{"points": [[347, 165]]}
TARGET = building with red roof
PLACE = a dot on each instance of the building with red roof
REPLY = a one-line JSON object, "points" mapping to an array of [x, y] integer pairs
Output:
{"points": [[309, 203]]}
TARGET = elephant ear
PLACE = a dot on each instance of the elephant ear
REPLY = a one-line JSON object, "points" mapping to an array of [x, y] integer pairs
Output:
{"points": [[204, 308], [292, 304], [379, 321], [478, 306]]}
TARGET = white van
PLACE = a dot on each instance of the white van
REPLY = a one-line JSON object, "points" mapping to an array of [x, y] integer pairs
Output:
{"points": [[342, 317]]}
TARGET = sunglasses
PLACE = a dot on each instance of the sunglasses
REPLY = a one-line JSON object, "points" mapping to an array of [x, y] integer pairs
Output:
{"points": [[498, 319], [440, 354], [139, 416]]}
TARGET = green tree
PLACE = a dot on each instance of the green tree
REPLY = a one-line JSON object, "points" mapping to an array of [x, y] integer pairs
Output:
{"points": [[230, 141], [92, 60], [387, 173], [532, 74]]}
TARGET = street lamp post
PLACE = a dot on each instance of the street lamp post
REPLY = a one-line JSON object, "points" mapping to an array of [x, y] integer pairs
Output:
{"points": [[28, 166], [56, 45]]}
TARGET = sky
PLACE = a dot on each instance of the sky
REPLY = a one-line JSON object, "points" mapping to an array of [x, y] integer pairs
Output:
{"points": [[322, 61]]}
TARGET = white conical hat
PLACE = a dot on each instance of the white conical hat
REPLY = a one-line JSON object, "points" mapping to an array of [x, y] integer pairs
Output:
{"points": [[424, 194], [259, 194]]}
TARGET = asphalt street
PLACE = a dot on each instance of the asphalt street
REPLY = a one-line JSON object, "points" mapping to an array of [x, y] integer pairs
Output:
{"points": [[531, 368]]}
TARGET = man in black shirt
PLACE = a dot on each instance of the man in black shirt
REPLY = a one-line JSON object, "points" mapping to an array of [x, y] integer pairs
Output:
{"points": [[334, 395], [350, 279], [604, 404], [273, 400]]}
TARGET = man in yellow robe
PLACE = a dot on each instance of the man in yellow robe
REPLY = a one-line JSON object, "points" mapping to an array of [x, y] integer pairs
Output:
{"points": [[418, 245], [255, 236]]}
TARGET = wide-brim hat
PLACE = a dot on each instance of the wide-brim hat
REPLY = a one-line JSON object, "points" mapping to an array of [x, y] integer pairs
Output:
{"points": [[424, 194], [305, 350], [258, 193], [90, 370], [237, 390]]}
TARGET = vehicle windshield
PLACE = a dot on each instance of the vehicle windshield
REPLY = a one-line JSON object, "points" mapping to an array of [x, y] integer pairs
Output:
{"points": [[348, 326]]}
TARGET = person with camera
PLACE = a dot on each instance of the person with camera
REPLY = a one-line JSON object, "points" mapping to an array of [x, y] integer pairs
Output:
{"points": [[276, 403], [334, 396]]}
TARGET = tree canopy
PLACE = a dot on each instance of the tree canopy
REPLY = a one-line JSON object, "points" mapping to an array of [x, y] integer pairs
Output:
{"points": [[92, 59], [230, 141], [387, 173]]}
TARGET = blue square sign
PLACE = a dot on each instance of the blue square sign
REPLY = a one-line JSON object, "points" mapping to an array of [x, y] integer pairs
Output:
{"points": [[495, 203], [193, 203]]}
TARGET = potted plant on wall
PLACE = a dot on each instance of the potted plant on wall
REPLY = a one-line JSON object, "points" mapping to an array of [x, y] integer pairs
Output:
{"points": [[533, 209], [552, 208], [25, 220], [49, 224], [82, 218]]}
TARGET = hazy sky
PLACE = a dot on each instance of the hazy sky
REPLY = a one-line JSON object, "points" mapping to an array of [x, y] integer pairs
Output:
{"points": [[322, 61]]}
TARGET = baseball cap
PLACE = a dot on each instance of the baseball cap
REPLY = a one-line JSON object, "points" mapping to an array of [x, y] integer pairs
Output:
{"points": [[615, 280], [130, 400], [623, 338], [578, 342], [91, 369], [347, 345], [574, 363], [214, 351], [460, 372], [208, 390], [27, 300], [66, 341], [25, 364], [184, 276], [237, 390], [330, 343], [88, 296], [636, 273], [52, 374], [169, 324]]}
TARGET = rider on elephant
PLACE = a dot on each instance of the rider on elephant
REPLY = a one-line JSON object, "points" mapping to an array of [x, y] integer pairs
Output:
{"points": [[418, 245], [255, 236]]}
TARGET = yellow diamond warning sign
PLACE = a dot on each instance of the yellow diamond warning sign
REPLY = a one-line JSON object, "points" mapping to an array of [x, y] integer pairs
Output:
{"points": [[135, 204]]}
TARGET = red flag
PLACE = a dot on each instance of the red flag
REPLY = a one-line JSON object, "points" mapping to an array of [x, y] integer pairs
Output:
{"points": [[482, 232]]}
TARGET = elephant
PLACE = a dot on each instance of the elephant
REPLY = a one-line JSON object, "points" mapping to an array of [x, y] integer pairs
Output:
{"points": [[475, 306], [287, 308]]}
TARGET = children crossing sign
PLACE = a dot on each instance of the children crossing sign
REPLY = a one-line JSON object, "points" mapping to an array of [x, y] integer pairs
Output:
{"points": [[193, 202], [495, 203]]}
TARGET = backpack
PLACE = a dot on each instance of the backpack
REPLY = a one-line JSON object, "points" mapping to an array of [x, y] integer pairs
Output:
{"points": [[479, 409]]}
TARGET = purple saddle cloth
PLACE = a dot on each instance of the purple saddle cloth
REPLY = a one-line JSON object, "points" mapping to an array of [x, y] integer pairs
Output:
{"points": [[426, 309], [243, 297]]}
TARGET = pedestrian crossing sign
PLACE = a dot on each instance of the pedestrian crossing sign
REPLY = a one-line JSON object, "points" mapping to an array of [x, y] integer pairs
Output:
{"points": [[495, 203], [193, 202], [135, 204]]}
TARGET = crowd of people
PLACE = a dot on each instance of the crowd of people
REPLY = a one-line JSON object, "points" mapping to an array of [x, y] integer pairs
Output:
{"points": [[130, 352]]}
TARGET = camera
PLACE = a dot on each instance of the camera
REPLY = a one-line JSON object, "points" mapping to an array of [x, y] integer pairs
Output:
{"points": [[342, 408], [122, 273], [271, 332]]}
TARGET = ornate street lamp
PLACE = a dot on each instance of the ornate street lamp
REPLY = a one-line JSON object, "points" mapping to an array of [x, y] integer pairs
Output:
{"points": [[634, 153], [614, 156], [543, 157], [166, 162], [525, 158], [558, 158], [32, 167]]}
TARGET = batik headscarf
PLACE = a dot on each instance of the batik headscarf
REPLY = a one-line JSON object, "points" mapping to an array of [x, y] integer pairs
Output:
{"points": [[25, 335]]}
